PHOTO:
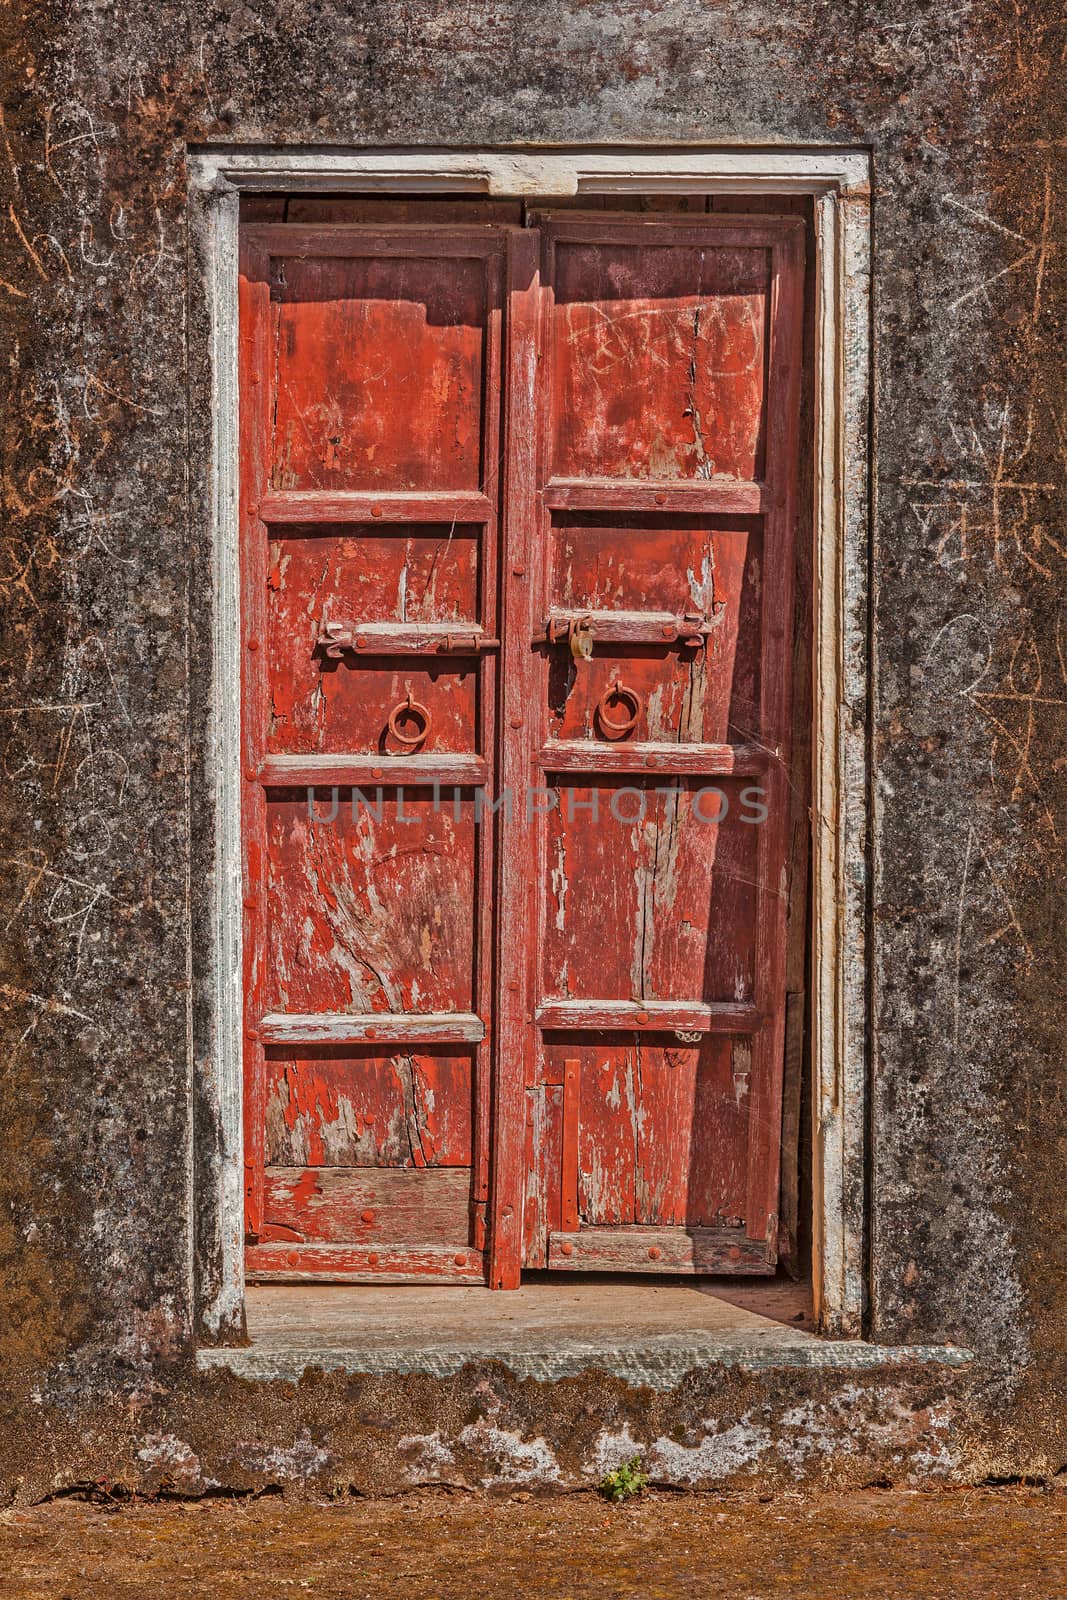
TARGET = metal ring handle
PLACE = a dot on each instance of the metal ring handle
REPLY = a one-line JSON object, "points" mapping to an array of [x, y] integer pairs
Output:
{"points": [[409, 708], [618, 690]]}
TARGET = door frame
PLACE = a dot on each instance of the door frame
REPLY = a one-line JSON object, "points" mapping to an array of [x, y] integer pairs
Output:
{"points": [[838, 181]]}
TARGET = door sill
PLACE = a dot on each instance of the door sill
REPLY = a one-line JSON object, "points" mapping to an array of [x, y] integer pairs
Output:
{"points": [[650, 1333]]}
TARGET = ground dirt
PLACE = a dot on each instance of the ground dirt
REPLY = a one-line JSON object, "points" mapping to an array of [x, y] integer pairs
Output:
{"points": [[1002, 1543]]}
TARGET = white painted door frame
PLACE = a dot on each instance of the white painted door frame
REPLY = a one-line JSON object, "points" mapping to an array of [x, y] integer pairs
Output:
{"points": [[839, 182]]}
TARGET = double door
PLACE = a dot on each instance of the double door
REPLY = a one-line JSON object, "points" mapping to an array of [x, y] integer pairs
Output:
{"points": [[517, 594]]}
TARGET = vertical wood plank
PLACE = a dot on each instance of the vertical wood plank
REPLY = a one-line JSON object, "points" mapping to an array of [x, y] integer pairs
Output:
{"points": [[515, 877], [572, 1086], [765, 1107], [487, 732]]}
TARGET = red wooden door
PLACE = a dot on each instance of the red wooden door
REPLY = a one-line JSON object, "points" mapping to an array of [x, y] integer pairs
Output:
{"points": [[516, 582], [370, 389], [668, 400]]}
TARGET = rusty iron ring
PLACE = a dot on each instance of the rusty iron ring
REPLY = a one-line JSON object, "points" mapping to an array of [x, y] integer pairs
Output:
{"points": [[617, 690], [409, 708]]}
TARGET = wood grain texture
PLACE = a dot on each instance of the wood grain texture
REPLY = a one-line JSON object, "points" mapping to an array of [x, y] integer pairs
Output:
{"points": [[364, 1106], [341, 1205], [677, 889], [372, 912], [682, 323], [345, 1263], [380, 362], [656, 1250], [344, 1027]]}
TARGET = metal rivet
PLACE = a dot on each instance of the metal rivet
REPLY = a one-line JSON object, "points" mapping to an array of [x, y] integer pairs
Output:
{"points": [[253, 377], [514, 988], [375, 511], [654, 1252], [372, 1033], [359, 641], [735, 1254], [650, 761], [375, 772], [253, 644], [566, 1249], [642, 1016], [292, 1258], [253, 510], [516, 722], [251, 1035], [250, 904], [251, 774], [461, 1261], [661, 499], [518, 572], [368, 1216], [372, 1261]]}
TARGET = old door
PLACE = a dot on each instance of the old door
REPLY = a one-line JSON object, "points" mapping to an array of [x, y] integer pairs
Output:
{"points": [[516, 514], [659, 681], [370, 425]]}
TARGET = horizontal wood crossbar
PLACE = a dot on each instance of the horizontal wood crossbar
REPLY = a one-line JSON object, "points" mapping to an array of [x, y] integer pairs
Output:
{"points": [[380, 1027], [650, 1016], [704, 497], [678, 1249], [320, 505], [415, 1263], [368, 772], [700, 760]]}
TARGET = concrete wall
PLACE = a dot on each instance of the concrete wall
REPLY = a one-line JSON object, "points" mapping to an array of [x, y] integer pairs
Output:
{"points": [[105, 672]]}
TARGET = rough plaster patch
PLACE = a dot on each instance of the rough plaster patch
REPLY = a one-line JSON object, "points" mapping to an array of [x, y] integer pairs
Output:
{"points": [[175, 1460], [718, 1455], [612, 1449], [516, 1459], [428, 1451], [297, 1462]]}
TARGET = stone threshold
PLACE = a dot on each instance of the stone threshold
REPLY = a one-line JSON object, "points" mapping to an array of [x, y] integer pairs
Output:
{"points": [[647, 1334]]}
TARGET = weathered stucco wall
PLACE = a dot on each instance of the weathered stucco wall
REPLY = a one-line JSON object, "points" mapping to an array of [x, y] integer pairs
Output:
{"points": [[105, 672]]}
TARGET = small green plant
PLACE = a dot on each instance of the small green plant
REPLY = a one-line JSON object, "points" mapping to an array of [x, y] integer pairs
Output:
{"points": [[626, 1481]]}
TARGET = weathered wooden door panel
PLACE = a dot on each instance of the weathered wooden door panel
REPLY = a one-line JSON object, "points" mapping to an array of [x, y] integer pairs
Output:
{"points": [[348, 1106], [604, 565], [648, 859], [355, 1207], [678, 324], [418, 576], [668, 403], [380, 368], [370, 912], [517, 518], [370, 387]]}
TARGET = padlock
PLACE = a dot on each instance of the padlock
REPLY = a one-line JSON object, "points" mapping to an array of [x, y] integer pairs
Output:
{"points": [[581, 639]]}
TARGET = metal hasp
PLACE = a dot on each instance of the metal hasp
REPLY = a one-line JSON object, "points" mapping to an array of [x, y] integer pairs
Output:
{"points": [[690, 629], [402, 639]]}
